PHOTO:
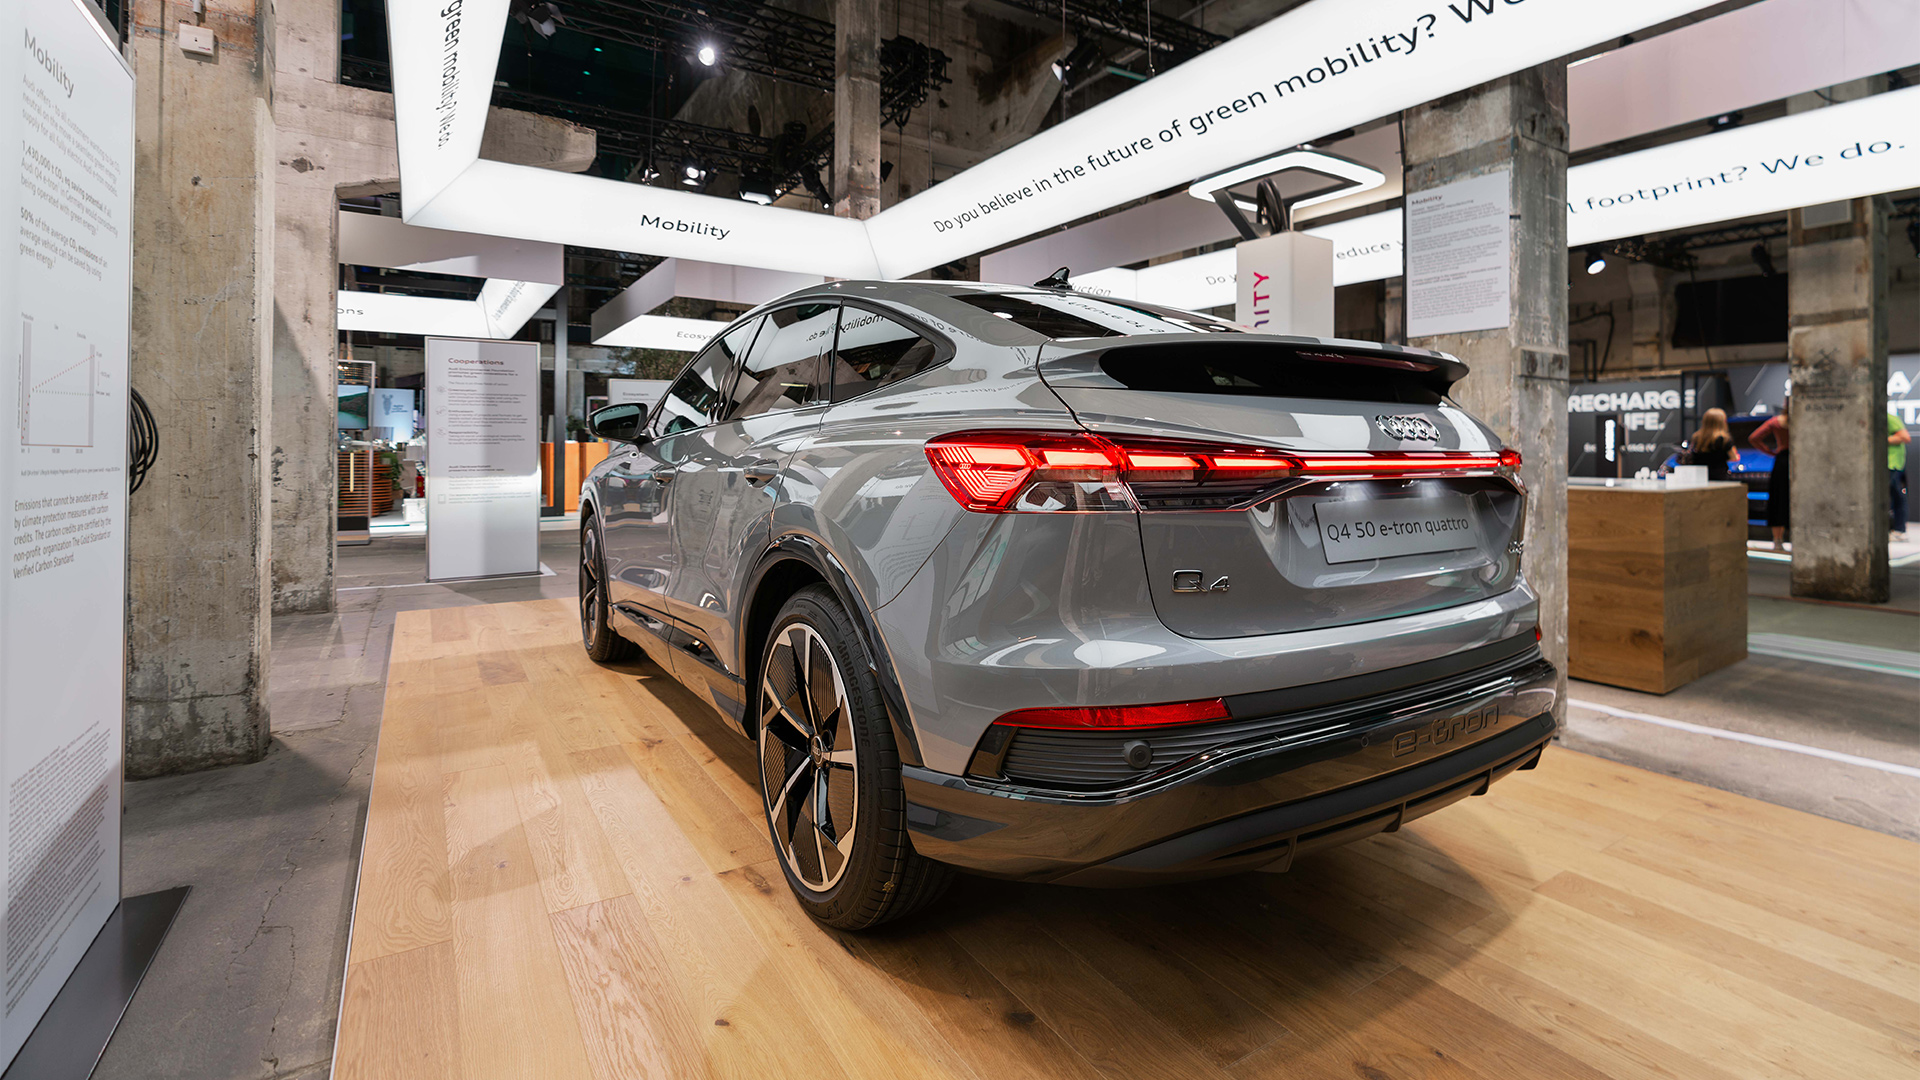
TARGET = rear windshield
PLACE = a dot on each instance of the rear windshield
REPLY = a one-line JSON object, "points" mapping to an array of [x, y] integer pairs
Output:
{"points": [[1066, 316], [1272, 371]]}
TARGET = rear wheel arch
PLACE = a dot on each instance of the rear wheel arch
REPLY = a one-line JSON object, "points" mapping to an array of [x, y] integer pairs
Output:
{"points": [[789, 565]]}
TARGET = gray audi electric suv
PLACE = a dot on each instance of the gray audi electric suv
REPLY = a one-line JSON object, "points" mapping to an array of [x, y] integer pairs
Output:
{"points": [[1052, 587]]}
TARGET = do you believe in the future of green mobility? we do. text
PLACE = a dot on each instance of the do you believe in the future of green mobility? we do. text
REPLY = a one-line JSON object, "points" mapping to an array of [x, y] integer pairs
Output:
{"points": [[1377, 48]]}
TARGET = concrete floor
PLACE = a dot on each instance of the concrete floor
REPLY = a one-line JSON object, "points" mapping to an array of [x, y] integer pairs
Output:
{"points": [[248, 983]]}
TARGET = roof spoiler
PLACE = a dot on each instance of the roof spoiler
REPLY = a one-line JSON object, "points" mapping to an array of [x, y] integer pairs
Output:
{"points": [[1435, 371]]}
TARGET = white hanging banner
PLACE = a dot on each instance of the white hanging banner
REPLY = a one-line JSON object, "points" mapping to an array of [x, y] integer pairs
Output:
{"points": [[483, 458], [64, 301], [1316, 68], [1823, 155]]}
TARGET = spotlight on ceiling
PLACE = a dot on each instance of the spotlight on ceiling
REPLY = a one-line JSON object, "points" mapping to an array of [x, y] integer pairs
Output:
{"points": [[1596, 260], [541, 16], [692, 173], [1763, 259], [1727, 120], [707, 55], [756, 186]]}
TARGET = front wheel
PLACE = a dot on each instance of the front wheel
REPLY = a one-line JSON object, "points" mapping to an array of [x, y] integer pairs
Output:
{"points": [[830, 774], [602, 641]]}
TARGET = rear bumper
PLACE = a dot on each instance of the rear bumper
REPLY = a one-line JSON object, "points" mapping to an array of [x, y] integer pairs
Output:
{"points": [[1240, 807]]}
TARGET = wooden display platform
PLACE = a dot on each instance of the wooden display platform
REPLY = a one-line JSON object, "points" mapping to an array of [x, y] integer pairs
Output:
{"points": [[1656, 582], [566, 874]]}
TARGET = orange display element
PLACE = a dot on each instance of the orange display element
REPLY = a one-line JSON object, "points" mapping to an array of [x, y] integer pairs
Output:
{"points": [[581, 458], [365, 484]]}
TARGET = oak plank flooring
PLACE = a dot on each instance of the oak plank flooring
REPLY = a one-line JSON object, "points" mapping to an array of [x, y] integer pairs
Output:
{"points": [[566, 874]]}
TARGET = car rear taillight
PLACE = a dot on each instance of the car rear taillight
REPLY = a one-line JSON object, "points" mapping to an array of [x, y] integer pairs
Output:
{"points": [[999, 472], [1116, 717]]}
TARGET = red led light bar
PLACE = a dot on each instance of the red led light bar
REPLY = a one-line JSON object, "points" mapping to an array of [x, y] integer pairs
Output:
{"points": [[1112, 717], [988, 471]]}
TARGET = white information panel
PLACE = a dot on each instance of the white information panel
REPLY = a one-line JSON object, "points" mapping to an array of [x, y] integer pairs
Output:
{"points": [[483, 458], [64, 294], [1457, 256], [646, 392]]}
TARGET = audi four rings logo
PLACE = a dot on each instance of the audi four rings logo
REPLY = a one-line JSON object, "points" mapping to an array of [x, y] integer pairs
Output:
{"points": [[1408, 427]]}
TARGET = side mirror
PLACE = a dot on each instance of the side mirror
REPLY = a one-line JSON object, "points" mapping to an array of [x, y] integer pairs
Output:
{"points": [[619, 423]]}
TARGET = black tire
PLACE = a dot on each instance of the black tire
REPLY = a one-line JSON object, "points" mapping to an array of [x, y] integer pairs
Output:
{"points": [[816, 678], [602, 642]]}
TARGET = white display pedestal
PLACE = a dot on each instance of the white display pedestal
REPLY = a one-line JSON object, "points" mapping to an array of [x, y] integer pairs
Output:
{"points": [[1284, 285]]}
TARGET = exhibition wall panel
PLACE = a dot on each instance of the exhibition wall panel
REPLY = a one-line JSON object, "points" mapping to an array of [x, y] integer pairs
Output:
{"points": [[483, 469], [64, 302]]}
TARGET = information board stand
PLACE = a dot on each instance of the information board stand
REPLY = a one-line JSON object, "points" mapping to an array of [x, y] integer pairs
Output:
{"points": [[483, 458], [75, 952]]}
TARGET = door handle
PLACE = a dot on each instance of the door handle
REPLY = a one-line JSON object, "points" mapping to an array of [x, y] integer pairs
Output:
{"points": [[761, 472], [662, 474]]}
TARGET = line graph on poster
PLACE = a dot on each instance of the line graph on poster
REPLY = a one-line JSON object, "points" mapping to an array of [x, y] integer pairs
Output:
{"points": [[59, 379]]}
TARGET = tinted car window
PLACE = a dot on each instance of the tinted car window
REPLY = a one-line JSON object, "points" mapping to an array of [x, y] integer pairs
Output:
{"points": [[1067, 315], [873, 351], [782, 370], [693, 398]]}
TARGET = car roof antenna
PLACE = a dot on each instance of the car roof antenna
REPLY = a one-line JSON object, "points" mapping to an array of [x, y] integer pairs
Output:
{"points": [[1055, 280]]}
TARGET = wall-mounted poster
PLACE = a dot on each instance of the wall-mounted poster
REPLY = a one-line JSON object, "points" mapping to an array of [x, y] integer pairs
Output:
{"points": [[64, 299], [392, 416]]}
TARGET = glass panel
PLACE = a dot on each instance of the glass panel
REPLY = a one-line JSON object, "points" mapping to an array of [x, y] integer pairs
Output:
{"points": [[873, 351], [690, 402], [782, 371]]}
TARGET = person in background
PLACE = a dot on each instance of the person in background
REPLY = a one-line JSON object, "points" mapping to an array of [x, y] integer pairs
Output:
{"points": [[1712, 445], [1897, 439], [1772, 437]]}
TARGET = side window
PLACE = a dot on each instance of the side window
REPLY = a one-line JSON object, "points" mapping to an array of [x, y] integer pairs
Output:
{"points": [[694, 397], [783, 370], [873, 351]]}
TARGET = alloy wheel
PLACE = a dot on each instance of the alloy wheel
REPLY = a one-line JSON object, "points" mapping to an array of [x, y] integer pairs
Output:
{"points": [[808, 758], [589, 584]]}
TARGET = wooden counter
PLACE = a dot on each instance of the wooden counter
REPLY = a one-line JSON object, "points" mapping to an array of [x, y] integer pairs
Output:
{"points": [[1656, 582]]}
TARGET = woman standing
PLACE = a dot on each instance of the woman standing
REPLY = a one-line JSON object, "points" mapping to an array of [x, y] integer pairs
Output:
{"points": [[1712, 445], [1773, 437]]}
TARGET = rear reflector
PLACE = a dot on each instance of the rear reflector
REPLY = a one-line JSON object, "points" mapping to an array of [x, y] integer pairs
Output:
{"points": [[1111, 717], [997, 472]]}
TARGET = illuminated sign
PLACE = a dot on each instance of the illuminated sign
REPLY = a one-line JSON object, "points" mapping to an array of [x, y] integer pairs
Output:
{"points": [[521, 277], [1310, 70], [663, 332], [1823, 155]]}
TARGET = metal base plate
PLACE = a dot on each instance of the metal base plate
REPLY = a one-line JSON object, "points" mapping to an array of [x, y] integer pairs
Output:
{"points": [[67, 1042]]}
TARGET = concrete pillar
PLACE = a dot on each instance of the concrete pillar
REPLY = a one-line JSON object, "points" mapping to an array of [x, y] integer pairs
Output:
{"points": [[197, 619], [1393, 311], [1837, 349], [1519, 373], [336, 142], [856, 108], [1837, 352]]}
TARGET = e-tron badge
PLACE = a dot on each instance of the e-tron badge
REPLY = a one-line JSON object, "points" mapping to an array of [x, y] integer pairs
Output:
{"points": [[1408, 427]]}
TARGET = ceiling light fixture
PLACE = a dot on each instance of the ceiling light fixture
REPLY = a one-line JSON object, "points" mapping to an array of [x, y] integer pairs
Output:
{"points": [[707, 55], [1359, 177], [1727, 120], [1596, 260]]}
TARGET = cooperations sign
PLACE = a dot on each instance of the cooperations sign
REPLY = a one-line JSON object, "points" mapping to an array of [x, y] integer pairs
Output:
{"points": [[1317, 68]]}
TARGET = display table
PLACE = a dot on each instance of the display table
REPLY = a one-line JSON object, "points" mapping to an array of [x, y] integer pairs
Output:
{"points": [[1656, 581]]}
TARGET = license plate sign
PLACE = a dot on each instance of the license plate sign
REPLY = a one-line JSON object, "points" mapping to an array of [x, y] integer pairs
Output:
{"points": [[1357, 530]]}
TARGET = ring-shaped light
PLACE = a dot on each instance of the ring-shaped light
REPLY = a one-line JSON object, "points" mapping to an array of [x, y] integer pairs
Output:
{"points": [[1359, 177]]}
